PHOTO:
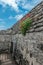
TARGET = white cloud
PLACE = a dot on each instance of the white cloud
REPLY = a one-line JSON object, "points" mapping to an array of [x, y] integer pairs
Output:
{"points": [[18, 17], [24, 4], [2, 27], [16, 3], [11, 17], [11, 3], [28, 6], [2, 24], [2, 21]]}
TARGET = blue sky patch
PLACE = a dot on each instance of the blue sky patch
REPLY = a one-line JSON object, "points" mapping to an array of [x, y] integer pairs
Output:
{"points": [[13, 10]]}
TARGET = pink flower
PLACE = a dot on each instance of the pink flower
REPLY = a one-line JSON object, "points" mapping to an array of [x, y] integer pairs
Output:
{"points": [[28, 15]]}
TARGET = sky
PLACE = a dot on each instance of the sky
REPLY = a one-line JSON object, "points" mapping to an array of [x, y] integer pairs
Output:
{"points": [[11, 11]]}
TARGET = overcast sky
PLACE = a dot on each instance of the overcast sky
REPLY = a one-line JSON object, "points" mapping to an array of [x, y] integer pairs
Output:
{"points": [[13, 10]]}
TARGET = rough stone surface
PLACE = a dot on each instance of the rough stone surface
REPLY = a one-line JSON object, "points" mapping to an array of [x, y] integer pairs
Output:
{"points": [[5, 41], [31, 45]]}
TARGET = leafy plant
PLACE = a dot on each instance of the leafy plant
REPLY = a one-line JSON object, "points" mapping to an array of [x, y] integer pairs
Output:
{"points": [[25, 25]]}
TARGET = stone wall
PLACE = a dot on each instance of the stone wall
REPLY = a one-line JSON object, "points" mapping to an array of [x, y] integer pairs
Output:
{"points": [[5, 41], [31, 45], [36, 15]]}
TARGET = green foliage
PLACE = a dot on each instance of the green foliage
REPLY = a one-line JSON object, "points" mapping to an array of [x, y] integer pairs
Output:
{"points": [[25, 25]]}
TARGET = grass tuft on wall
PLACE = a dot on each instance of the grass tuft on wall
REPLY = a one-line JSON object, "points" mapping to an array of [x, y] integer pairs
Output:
{"points": [[25, 25]]}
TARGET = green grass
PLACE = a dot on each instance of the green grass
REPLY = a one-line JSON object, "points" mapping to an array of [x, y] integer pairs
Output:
{"points": [[25, 25]]}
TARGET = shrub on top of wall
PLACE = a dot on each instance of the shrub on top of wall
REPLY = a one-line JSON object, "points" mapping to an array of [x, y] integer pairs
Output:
{"points": [[25, 25]]}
